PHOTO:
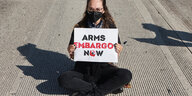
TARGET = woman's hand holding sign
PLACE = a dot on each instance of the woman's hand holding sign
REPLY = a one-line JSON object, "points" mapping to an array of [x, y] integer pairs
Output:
{"points": [[118, 48], [71, 49]]}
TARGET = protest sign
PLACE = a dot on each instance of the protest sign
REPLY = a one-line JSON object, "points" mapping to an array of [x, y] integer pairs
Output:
{"points": [[95, 44]]}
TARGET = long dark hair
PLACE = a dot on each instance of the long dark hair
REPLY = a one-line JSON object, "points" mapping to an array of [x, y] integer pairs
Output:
{"points": [[107, 18]]}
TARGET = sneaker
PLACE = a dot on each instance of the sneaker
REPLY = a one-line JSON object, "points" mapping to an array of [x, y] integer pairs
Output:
{"points": [[117, 91]]}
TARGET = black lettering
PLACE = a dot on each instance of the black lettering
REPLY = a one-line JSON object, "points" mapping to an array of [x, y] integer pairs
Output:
{"points": [[97, 38], [84, 38], [86, 53], [102, 37], [91, 37], [94, 38], [99, 53]]}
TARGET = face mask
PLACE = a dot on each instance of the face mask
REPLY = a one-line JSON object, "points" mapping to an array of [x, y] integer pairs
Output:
{"points": [[94, 16]]}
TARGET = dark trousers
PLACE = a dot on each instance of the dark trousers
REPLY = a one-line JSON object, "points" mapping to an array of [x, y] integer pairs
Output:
{"points": [[111, 79]]}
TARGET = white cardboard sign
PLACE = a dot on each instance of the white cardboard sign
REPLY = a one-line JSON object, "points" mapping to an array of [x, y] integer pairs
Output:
{"points": [[95, 44]]}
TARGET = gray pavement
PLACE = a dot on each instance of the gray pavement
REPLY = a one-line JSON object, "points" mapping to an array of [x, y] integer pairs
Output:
{"points": [[34, 35]]}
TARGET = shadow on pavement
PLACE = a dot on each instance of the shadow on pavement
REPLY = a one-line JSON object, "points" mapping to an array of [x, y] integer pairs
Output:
{"points": [[46, 65], [170, 37]]}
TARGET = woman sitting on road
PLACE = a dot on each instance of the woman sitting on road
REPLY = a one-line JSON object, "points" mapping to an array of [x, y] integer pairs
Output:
{"points": [[95, 78]]}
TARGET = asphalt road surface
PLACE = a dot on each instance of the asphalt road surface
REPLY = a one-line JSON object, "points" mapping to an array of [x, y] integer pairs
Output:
{"points": [[156, 36]]}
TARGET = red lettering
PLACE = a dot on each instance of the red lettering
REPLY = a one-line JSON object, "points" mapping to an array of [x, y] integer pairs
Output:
{"points": [[92, 45], [81, 45], [104, 45], [98, 45], [76, 44], [87, 45], [110, 46], [92, 53]]}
